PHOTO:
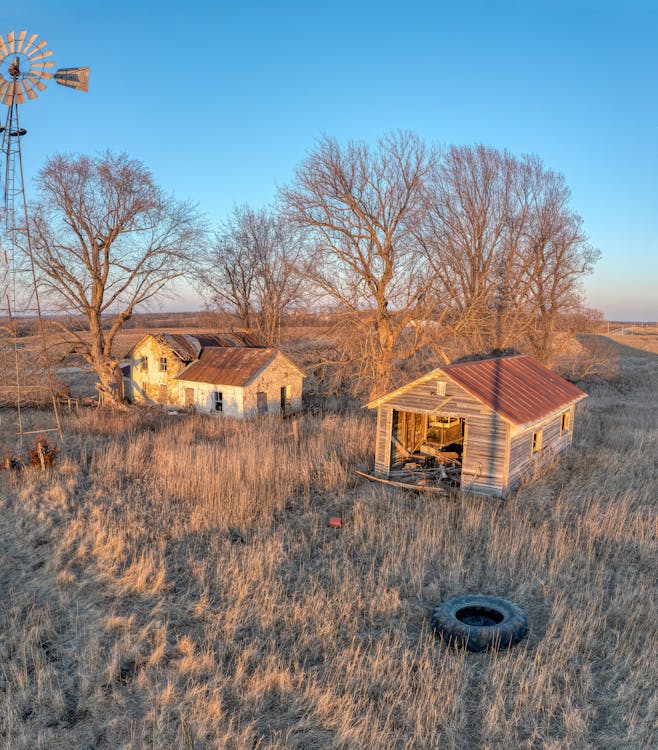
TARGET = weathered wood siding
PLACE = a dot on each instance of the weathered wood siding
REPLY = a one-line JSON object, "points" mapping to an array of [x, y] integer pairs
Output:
{"points": [[270, 380], [522, 460], [484, 461], [383, 444], [147, 385], [485, 433]]}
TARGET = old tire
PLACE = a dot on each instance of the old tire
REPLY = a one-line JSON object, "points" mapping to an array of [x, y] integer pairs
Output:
{"points": [[479, 622]]}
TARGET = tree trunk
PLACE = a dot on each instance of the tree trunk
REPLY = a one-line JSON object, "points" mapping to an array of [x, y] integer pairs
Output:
{"points": [[110, 380]]}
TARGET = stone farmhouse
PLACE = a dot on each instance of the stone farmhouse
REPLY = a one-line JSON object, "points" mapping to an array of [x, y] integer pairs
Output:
{"points": [[227, 374]]}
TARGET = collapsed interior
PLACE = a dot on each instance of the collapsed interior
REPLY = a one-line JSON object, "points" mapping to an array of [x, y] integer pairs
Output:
{"points": [[427, 446]]}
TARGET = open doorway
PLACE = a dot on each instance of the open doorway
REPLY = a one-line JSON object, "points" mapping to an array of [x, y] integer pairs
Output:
{"points": [[428, 442]]}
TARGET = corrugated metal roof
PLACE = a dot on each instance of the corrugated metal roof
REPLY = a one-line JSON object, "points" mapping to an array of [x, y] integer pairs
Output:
{"points": [[234, 365], [187, 346], [519, 388], [230, 338], [179, 343]]}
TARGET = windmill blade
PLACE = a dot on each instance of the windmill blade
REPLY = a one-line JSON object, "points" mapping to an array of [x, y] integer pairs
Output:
{"points": [[3, 47], [47, 53], [39, 46], [41, 74], [21, 39], [41, 67], [19, 96], [4, 85], [7, 92], [14, 94], [31, 93], [75, 78], [36, 80], [10, 42], [30, 42]]}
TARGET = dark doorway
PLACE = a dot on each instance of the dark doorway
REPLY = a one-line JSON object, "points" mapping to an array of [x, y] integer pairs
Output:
{"points": [[285, 399], [261, 402]]}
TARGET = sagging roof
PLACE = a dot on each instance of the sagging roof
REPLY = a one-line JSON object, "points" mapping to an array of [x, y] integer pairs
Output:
{"points": [[228, 365], [518, 388], [188, 346]]}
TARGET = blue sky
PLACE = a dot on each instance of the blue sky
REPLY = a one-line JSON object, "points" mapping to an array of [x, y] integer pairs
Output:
{"points": [[222, 100]]}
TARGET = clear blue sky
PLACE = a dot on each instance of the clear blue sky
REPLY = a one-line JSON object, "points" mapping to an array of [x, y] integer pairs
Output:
{"points": [[222, 100]]}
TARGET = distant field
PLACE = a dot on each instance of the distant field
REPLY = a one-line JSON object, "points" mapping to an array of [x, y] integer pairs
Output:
{"points": [[172, 583]]}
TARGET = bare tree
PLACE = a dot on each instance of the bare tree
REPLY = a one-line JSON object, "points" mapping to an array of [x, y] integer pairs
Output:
{"points": [[252, 270], [105, 239], [558, 257], [470, 240], [360, 209], [507, 251]]}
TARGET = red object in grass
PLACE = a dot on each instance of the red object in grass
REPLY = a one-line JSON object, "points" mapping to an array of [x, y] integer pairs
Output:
{"points": [[335, 522]]}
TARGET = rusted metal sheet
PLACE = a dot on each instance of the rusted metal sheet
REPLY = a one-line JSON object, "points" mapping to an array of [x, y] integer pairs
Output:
{"points": [[235, 365], [232, 338], [519, 388]]}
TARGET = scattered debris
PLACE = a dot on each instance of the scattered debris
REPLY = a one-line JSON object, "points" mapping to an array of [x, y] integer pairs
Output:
{"points": [[43, 454], [12, 463]]}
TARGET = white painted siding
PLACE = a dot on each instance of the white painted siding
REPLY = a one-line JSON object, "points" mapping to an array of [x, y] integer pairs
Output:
{"points": [[232, 398], [279, 373]]}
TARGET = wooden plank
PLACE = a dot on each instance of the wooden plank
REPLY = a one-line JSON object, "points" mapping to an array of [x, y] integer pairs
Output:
{"points": [[403, 485]]}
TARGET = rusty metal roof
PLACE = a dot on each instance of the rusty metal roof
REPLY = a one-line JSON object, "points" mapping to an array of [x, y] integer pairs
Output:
{"points": [[519, 388], [187, 346], [230, 338], [229, 365]]}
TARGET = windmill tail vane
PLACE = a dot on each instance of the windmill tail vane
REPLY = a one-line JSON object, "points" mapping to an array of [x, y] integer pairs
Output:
{"points": [[75, 78]]}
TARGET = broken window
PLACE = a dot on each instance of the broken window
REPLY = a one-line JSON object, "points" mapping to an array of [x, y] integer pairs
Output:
{"points": [[261, 402], [218, 401], [536, 441], [565, 426], [144, 364], [163, 364]]}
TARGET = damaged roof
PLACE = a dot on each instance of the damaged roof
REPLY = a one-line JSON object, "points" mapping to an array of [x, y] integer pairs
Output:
{"points": [[518, 388], [228, 365], [188, 346]]}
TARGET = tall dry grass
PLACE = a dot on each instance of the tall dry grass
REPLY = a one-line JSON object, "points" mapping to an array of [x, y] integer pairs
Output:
{"points": [[172, 583]]}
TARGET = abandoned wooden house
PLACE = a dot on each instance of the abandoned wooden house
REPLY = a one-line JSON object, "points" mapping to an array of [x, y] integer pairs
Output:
{"points": [[481, 426], [227, 373]]}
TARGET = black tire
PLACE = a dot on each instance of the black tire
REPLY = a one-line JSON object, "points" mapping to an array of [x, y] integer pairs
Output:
{"points": [[479, 622]]}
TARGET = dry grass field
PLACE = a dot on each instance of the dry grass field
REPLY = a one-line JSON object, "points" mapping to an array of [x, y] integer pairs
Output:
{"points": [[172, 583]]}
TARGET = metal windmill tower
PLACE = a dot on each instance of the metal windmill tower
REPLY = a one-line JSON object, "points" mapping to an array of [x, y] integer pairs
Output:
{"points": [[25, 67]]}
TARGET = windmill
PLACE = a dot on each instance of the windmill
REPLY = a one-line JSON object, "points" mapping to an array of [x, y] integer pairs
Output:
{"points": [[25, 66]]}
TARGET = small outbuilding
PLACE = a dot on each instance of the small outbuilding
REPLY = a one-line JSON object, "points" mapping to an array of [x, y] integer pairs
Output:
{"points": [[492, 420], [226, 374]]}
